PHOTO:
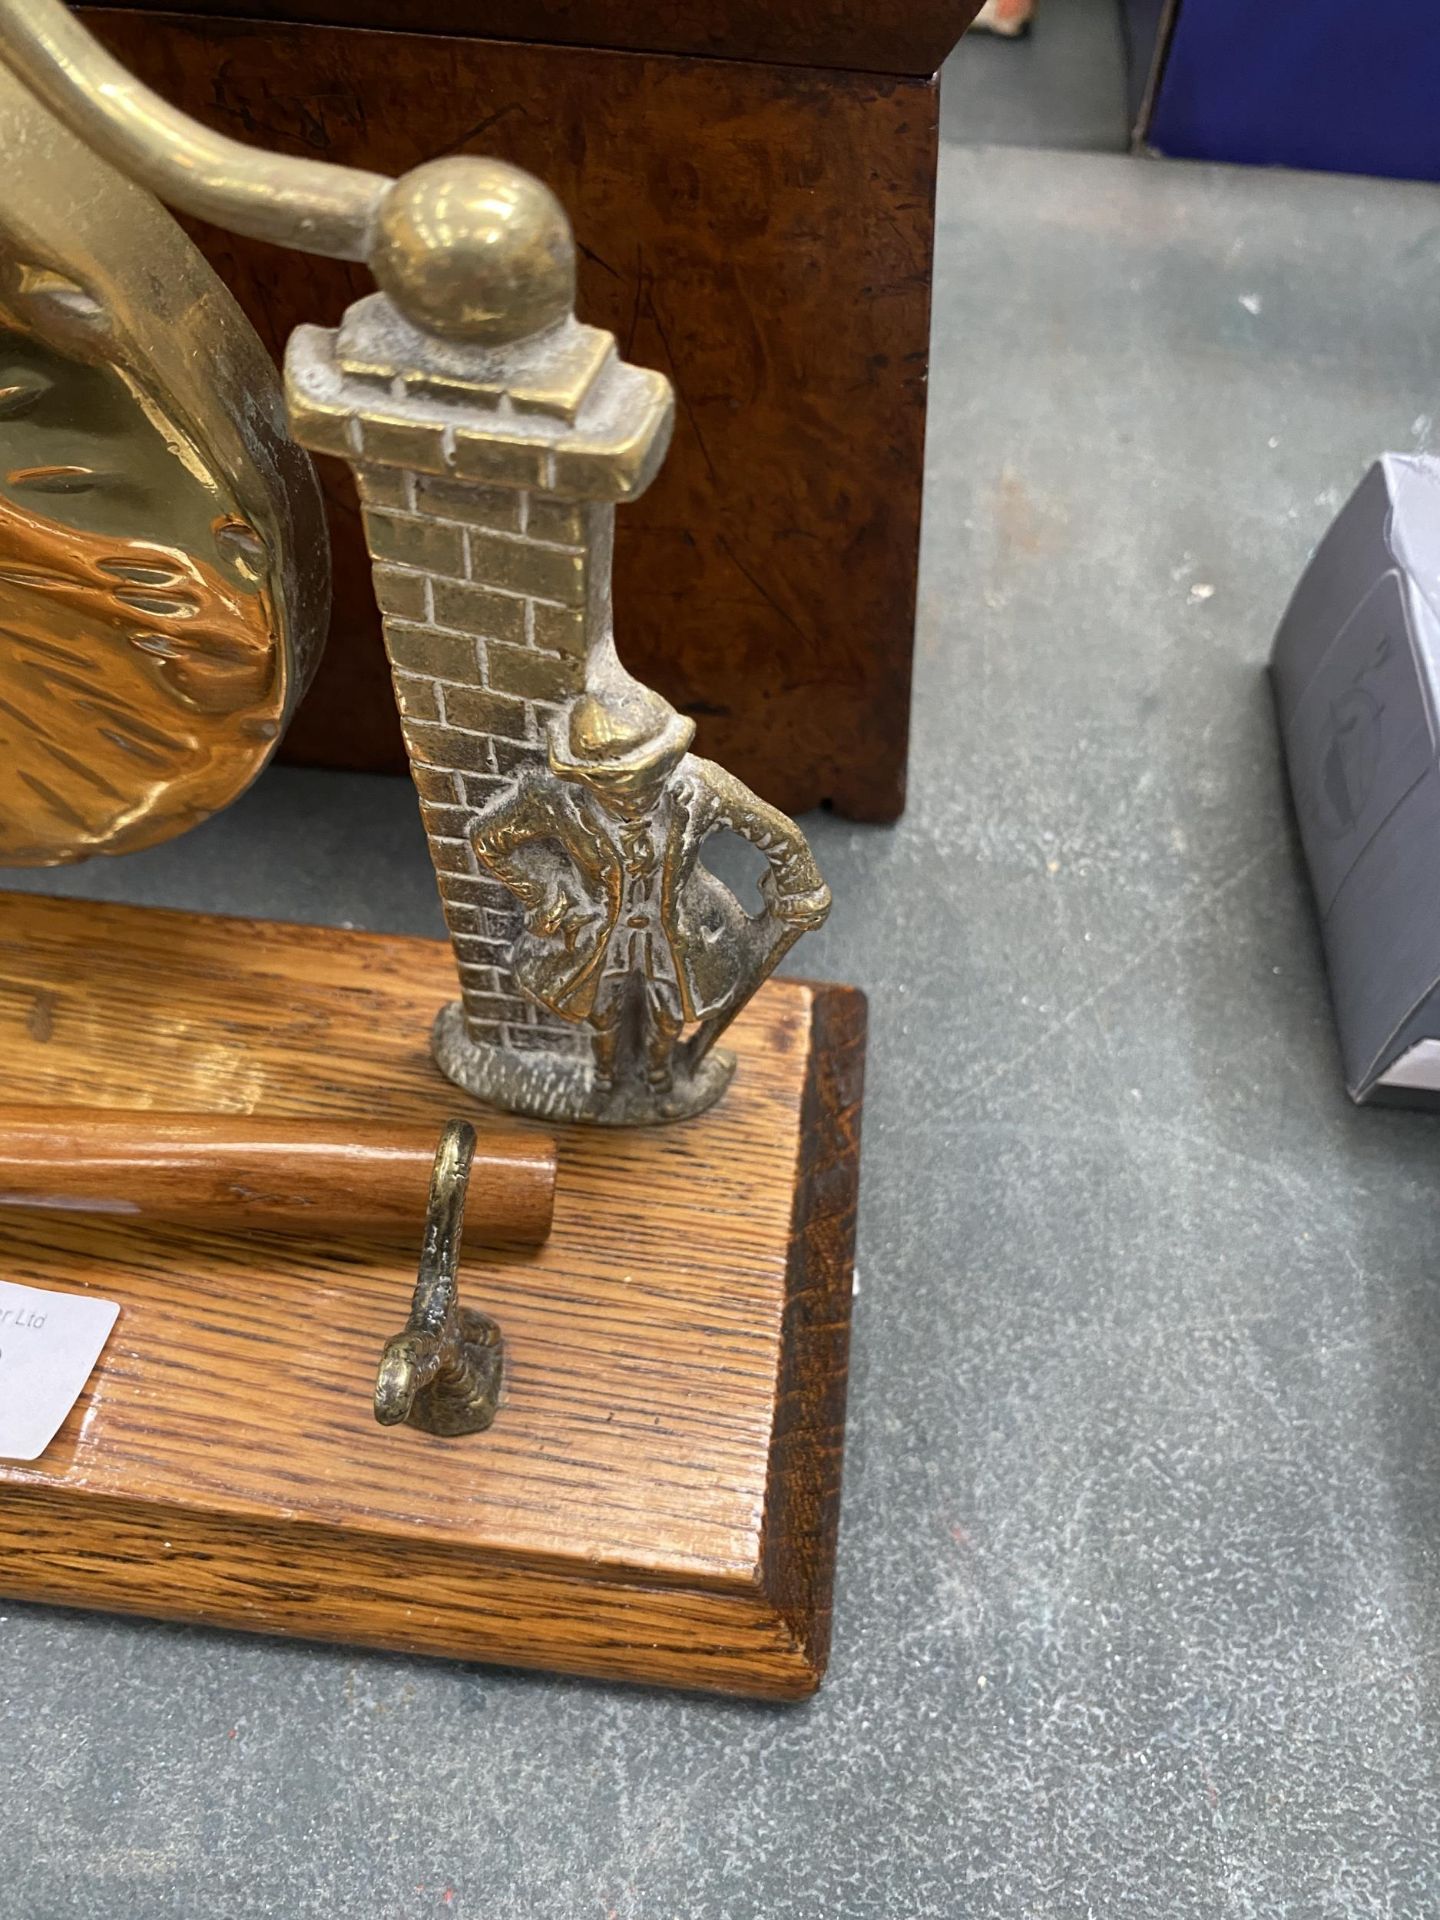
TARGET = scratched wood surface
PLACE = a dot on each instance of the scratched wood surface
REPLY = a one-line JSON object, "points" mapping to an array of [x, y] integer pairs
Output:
{"points": [[657, 1499], [762, 235]]}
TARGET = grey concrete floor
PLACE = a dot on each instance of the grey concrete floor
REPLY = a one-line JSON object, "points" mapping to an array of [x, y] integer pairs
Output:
{"points": [[1063, 85], [1138, 1610]]}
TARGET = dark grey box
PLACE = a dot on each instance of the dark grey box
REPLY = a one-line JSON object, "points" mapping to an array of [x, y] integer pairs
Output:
{"points": [[1356, 671]]}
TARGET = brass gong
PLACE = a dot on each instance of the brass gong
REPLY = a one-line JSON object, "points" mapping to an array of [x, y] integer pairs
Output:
{"points": [[164, 564]]}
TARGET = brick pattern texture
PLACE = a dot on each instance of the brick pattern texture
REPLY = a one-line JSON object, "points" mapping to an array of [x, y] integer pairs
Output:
{"points": [[483, 592]]}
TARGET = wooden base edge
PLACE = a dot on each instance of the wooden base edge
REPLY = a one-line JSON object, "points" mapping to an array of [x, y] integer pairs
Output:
{"points": [[801, 1527], [309, 1583]]}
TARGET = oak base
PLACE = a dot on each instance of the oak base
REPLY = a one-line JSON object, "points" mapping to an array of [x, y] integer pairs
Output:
{"points": [[657, 1499]]}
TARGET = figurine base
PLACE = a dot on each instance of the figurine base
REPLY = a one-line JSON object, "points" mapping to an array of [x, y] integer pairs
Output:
{"points": [[657, 1497], [469, 1403], [545, 1088]]}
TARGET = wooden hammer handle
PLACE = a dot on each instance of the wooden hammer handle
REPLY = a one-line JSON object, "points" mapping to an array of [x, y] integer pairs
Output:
{"points": [[323, 1178]]}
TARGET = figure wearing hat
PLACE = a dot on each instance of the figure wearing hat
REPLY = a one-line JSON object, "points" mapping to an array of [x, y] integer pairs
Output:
{"points": [[625, 929]]}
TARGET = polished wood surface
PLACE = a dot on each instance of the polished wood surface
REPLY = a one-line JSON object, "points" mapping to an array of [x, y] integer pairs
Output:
{"points": [[903, 36], [761, 234], [657, 1499], [331, 1181]]}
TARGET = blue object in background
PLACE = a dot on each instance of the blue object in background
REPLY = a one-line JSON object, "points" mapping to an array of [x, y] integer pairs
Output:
{"points": [[1346, 87]]}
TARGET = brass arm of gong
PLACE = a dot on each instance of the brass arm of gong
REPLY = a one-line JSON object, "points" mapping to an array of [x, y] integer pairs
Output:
{"points": [[443, 1373], [429, 238], [298, 203]]}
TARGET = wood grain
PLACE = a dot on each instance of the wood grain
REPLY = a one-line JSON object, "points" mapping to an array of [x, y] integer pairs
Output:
{"points": [[762, 234], [657, 1499], [912, 38], [355, 1179]]}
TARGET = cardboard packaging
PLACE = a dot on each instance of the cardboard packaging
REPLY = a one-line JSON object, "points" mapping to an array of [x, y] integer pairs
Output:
{"points": [[1356, 673]]}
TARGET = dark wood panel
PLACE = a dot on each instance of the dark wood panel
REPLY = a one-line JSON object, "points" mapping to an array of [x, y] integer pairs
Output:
{"points": [[763, 235], [872, 36]]}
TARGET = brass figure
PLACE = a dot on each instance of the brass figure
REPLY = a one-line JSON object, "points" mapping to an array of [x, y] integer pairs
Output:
{"points": [[163, 578], [443, 1373], [492, 435], [624, 928]]}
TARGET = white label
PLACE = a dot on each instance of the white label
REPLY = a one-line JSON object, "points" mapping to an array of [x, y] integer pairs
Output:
{"points": [[49, 1343]]}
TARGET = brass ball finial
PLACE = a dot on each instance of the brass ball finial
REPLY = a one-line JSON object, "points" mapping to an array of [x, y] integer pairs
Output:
{"points": [[474, 249]]}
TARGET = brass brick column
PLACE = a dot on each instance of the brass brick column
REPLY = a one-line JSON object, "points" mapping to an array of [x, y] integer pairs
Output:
{"points": [[489, 477]]}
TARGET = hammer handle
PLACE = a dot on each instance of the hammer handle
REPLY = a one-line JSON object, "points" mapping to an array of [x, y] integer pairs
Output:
{"points": [[324, 1179]]}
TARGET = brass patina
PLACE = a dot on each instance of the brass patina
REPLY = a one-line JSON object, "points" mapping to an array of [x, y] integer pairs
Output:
{"points": [[443, 1374], [492, 436], [163, 580], [625, 928]]}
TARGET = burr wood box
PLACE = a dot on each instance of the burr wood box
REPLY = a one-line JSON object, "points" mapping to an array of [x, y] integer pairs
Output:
{"points": [[752, 193], [657, 1498]]}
